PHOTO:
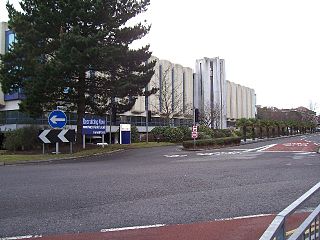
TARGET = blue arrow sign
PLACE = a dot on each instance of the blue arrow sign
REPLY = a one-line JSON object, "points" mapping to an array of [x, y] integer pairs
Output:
{"points": [[57, 119]]}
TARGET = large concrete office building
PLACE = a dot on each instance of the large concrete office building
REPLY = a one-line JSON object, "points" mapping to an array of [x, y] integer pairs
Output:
{"points": [[174, 96], [210, 90], [228, 101], [241, 102], [180, 91]]}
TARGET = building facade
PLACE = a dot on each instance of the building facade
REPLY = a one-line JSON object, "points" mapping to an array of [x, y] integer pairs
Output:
{"points": [[210, 90], [180, 91], [241, 102]]}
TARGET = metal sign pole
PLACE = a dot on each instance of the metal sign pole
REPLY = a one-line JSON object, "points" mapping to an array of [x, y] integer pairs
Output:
{"points": [[71, 147], [57, 147], [110, 127], [102, 140], [43, 150], [147, 128], [194, 143], [84, 141]]}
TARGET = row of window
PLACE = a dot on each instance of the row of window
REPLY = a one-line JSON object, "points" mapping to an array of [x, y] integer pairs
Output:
{"points": [[17, 117]]}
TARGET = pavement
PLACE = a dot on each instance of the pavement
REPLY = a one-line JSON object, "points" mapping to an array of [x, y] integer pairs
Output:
{"points": [[168, 186], [249, 228]]}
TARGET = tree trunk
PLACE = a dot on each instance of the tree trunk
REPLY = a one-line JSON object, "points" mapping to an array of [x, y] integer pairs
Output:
{"points": [[245, 133], [81, 108]]}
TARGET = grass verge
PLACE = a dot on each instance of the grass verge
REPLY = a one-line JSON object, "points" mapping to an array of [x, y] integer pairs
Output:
{"points": [[7, 158]]}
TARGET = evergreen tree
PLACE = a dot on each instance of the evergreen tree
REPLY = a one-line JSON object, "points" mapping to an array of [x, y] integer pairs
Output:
{"points": [[76, 53]]}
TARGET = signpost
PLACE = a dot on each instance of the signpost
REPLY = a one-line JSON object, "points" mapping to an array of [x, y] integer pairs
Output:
{"points": [[125, 134], [194, 135], [57, 136], [57, 119], [93, 126]]}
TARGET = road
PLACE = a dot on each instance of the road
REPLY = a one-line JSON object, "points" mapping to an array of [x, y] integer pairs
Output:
{"points": [[156, 186]]}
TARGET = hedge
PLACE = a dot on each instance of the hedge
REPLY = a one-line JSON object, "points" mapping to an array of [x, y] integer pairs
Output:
{"points": [[22, 139], [212, 142]]}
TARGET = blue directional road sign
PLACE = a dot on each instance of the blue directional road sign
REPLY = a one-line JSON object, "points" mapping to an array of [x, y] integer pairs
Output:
{"points": [[57, 119]]}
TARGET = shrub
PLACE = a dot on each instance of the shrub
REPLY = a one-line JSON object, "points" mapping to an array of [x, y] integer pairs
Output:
{"points": [[237, 133], [206, 130], [135, 135], [202, 135], [186, 132], [218, 133], [21, 139], [158, 133], [213, 142], [1, 139], [173, 135], [227, 132]]}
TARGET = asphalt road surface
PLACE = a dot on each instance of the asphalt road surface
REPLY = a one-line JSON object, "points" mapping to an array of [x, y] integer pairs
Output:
{"points": [[156, 186]]}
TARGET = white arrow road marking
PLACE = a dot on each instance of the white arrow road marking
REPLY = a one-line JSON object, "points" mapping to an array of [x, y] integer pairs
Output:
{"points": [[266, 147], [43, 135], [61, 136], [55, 119]]}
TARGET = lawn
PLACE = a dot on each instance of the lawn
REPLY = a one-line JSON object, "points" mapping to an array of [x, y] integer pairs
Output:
{"points": [[9, 158]]}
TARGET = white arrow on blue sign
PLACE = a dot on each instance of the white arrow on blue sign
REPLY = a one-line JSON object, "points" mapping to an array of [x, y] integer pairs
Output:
{"points": [[57, 119]]}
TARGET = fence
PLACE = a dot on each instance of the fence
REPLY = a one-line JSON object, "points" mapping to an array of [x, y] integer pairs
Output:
{"points": [[309, 229]]}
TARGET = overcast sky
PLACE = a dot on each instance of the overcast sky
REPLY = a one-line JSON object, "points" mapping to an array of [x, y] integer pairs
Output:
{"points": [[272, 46]]}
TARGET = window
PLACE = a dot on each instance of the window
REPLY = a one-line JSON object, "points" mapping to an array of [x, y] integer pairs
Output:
{"points": [[10, 39]]}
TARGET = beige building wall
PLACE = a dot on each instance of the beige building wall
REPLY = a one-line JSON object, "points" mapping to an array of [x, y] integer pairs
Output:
{"points": [[234, 109], [229, 98], [165, 71], [241, 101], [188, 76]]}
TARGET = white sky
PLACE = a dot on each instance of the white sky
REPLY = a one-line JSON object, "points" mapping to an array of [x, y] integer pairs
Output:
{"points": [[272, 46]]}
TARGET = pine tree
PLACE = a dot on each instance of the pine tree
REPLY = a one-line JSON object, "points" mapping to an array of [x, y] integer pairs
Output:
{"points": [[76, 54]]}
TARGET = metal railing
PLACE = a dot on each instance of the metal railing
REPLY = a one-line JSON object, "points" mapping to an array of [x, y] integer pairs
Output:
{"points": [[309, 229]]}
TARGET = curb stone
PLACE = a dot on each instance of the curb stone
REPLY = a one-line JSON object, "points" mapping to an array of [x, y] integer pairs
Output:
{"points": [[56, 159]]}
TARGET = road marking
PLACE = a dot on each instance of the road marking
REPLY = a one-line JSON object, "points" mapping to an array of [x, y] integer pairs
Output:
{"points": [[296, 144], [287, 152], [243, 217], [266, 147], [21, 237], [218, 153], [258, 149], [205, 154], [132, 228], [174, 156]]}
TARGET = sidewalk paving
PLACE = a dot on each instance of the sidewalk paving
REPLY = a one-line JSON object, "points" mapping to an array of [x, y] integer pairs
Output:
{"points": [[248, 228]]}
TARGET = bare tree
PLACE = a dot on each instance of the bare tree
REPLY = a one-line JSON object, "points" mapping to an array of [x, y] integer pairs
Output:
{"points": [[210, 116], [169, 97], [313, 106]]}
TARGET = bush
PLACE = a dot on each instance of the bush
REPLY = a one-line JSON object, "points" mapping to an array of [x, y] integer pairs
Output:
{"points": [[135, 135], [173, 135], [213, 142], [202, 135], [237, 133], [205, 130], [218, 133], [158, 133], [186, 132], [21, 139], [1, 139]]}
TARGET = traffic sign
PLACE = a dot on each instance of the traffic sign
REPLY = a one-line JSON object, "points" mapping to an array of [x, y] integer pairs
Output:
{"points": [[57, 119], [194, 128], [194, 135], [57, 135], [94, 125]]}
